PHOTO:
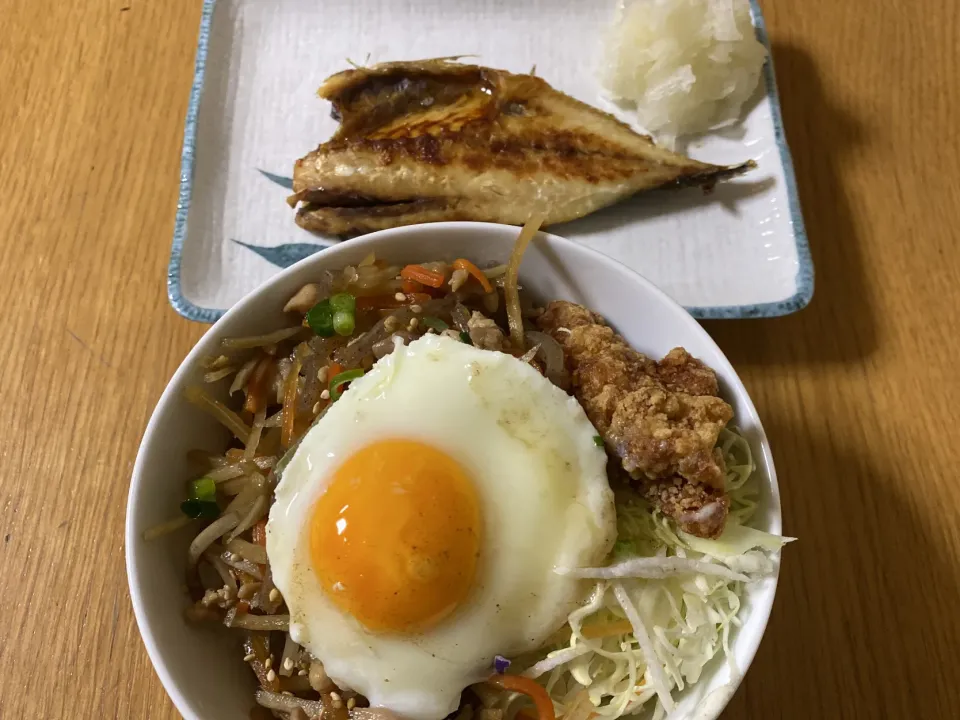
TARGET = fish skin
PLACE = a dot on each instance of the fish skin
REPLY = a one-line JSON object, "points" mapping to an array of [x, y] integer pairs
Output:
{"points": [[435, 140]]}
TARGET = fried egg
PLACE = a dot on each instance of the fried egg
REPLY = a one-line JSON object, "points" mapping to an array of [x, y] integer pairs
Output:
{"points": [[417, 527]]}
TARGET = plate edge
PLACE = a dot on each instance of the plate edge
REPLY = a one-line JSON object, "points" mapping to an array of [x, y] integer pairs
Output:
{"points": [[804, 281], [805, 273], [174, 291]]}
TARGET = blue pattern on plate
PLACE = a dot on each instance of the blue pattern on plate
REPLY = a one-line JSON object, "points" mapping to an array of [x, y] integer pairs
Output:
{"points": [[208, 315], [283, 256], [280, 180]]}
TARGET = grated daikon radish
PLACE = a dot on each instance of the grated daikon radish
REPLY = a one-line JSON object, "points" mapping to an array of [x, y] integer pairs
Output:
{"points": [[685, 66]]}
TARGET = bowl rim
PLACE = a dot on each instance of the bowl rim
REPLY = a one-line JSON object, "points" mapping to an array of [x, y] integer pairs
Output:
{"points": [[763, 601]]}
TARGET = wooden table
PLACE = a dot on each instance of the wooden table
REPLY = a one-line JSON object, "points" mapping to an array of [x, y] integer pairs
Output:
{"points": [[859, 393]]}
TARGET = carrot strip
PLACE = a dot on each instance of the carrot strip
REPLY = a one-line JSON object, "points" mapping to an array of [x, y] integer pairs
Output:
{"points": [[290, 404], [411, 286], [257, 387], [421, 274], [464, 264], [527, 686], [260, 533], [334, 370]]}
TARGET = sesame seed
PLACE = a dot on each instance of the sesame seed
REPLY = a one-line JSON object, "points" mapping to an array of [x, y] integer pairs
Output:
{"points": [[249, 658], [269, 663], [316, 407], [414, 322], [390, 323], [275, 595], [400, 297], [416, 308], [325, 395], [351, 704], [288, 664], [322, 374], [234, 557], [271, 676], [302, 673], [335, 700], [286, 692]]}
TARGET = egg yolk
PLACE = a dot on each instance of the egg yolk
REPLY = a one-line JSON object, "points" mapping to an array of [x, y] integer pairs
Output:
{"points": [[395, 539]]}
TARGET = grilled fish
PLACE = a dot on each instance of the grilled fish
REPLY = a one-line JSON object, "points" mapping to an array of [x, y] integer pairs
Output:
{"points": [[438, 140]]}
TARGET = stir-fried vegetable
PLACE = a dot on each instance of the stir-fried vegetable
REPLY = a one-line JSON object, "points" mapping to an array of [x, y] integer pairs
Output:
{"points": [[218, 410], [343, 323], [320, 319], [517, 683], [195, 508], [343, 302], [395, 300], [203, 488], [549, 350], [422, 275], [434, 322], [464, 264], [260, 340], [511, 288], [344, 306], [290, 403], [257, 385], [341, 379], [659, 611]]}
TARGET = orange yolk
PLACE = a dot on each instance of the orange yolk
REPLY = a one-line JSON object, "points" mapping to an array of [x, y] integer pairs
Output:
{"points": [[395, 539]]}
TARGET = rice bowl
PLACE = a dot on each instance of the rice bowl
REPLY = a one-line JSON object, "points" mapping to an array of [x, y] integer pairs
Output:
{"points": [[156, 570]]}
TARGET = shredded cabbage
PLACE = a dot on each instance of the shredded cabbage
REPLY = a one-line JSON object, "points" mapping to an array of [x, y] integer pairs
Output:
{"points": [[638, 640]]}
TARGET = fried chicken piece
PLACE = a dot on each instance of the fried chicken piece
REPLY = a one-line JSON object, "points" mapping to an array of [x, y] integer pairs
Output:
{"points": [[660, 433], [698, 510], [681, 372], [662, 419]]}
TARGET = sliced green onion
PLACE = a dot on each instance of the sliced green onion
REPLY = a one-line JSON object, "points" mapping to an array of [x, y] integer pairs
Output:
{"points": [[343, 302], [344, 322], [598, 441], [320, 318], [342, 379], [465, 337], [203, 489], [434, 322], [194, 508]]}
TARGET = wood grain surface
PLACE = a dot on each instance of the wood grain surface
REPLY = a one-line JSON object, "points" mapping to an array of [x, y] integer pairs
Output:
{"points": [[859, 393]]}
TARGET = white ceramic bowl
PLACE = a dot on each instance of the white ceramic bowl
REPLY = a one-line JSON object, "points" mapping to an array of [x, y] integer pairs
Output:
{"points": [[201, 667]]}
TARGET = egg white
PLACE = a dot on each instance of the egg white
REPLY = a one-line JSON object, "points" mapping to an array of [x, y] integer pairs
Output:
{"points": [[545, 502]]}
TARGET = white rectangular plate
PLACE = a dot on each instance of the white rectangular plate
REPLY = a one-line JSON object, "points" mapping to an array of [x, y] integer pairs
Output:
{"points": [[738, 252]]}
